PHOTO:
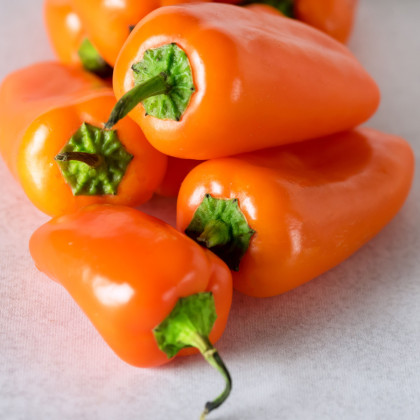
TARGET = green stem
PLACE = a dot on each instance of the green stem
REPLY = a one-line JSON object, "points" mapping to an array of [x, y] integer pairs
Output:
{"points": [[211, 355], [91, 159], [189, 325], [92, 61], [155, 86], [220, 225], [216, 232]]}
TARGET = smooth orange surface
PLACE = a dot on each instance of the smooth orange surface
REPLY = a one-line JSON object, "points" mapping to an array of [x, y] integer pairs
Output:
{"points": [[261, 80], [311, 204], [110, 260], [335, 17], [65, 30], [176, 171], [108, 22], [264, 8], [29, 92], [41, 107]]}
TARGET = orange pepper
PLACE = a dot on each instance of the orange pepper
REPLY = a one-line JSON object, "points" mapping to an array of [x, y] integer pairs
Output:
{"points": [[255, 80], [64, 30], [41, 108], [176, 172], [109, 23], [109, 258], [335, 17], [300, 209], [263, 8], [69, 39]]}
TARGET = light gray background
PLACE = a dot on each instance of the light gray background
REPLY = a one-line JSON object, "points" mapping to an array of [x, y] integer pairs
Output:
{"points": [[344, 346]]}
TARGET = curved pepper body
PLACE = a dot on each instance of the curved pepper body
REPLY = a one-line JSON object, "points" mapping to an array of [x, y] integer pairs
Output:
{"points": [[261, 80], [109, 23], [29, 92], [109, 258], [41, 107], [263, 8], [65, 30], [176, 172], [334, 17], [311, 204]]}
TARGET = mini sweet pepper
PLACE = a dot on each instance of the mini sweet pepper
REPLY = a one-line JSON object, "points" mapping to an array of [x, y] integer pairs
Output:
{"points": [[149, 290], [108, 23], [282, 216], [53, 141], [334, 17], [215, 80], [69, 39]]}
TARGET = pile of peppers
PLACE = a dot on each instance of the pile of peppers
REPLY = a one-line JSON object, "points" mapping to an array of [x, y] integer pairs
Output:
{"points": [[249, 112]]}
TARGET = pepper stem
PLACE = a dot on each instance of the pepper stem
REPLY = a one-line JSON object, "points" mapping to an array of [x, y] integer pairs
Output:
{"points": [[189, 325], [92, 61], [91, 159], [155, 86], [211, 355], [220, 225], [216, 232], [163, 83]]}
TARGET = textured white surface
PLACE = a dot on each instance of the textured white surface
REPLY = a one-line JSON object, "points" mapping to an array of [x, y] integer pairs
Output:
{"points": [[344, 346]]}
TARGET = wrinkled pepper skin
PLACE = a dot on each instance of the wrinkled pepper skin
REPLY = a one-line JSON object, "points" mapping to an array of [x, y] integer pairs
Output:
{"points": [[311, 205], [41, 107], [334, 17], [65, 30], [176, 172], [109, 258], [281, 81]]}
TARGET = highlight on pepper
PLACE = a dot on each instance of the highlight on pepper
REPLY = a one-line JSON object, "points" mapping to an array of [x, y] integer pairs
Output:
{"points": [[171, 307]]}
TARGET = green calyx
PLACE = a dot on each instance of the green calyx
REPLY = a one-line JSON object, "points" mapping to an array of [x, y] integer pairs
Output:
{"points": [[172, 61], [192, 317], [189, 325], [163, 83], [92, 60], [286, 7], [93, 161], [221, 226]]}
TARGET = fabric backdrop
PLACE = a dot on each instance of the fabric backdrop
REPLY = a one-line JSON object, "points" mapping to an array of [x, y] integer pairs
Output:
{"points": [[344, 346]]}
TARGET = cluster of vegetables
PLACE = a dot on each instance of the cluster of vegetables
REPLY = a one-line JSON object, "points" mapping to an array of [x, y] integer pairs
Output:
{"points": [[289, 187]]}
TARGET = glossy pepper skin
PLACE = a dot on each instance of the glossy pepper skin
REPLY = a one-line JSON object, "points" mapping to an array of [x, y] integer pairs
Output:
{"points": [[41, 107], [69, 39], [108, 23], [311, 205], [109, 258], [65, 30], [281, 82], [176, 172], [334, 17]]}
